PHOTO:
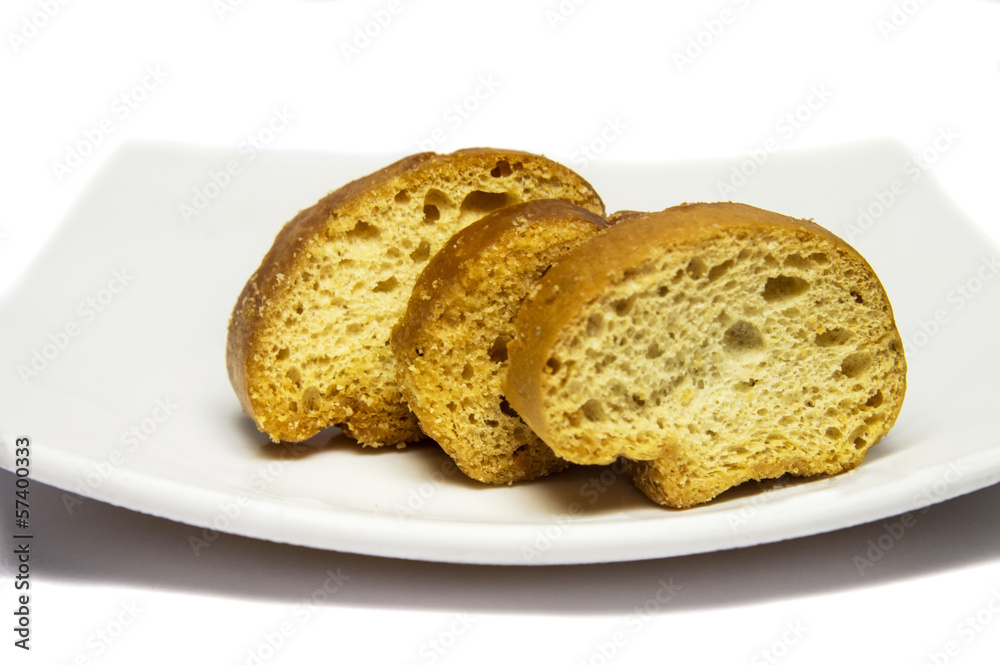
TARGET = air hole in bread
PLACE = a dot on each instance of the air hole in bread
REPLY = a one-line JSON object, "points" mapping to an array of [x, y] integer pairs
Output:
{"points": [[662, 291], [593, 410], [595, 324], [784, 287], [874, 419], [855, 364], [857, 297], [492, 423], [299, 309], [311, 399], [834, 433], [718, 271], [437, 204], [498, 352], [819, 257], [506, 409], [875, 400], [796, 261], [742, 337], [653, 351], [744, 386], [835, 337], [623, 307], [363, 231], [282, 354], [452, 406], [696, 268], [501, 170], [402, 196], [467, 372], [422, 252], [553, 365], [386, 285], [295, 376], [478, 202]]}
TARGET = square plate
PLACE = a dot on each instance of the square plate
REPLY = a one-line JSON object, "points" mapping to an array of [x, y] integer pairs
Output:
{"points": [[114, 367]]}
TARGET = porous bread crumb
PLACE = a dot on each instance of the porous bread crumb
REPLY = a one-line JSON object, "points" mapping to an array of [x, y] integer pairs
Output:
{"points": [[451, 344], [308, 342], [714, 343]]}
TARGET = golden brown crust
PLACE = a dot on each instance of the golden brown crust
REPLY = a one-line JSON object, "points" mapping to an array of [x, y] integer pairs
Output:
{"points": [[373, 417], [573, 285], [442, 272], [489, 265], [673, 474], [248, 315]]}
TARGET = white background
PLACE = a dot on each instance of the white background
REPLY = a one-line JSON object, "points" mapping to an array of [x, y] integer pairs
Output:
{"points": [[625, 81]]}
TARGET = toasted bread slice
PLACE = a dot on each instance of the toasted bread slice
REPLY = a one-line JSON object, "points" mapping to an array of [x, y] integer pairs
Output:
{"points": [[308, 342], [451, 344], [716, 343]]}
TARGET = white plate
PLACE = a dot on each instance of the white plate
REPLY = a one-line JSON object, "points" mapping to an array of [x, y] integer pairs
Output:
{"points": [[132, 405]]}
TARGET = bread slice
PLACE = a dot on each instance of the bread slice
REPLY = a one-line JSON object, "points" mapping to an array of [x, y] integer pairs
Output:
{"points": [[308, 342], [717, 343], [451, 344]]}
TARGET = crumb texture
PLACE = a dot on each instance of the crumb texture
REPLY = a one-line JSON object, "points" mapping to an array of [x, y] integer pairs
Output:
{"points": [[451, 344], [742, 345], [309, 337]]}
